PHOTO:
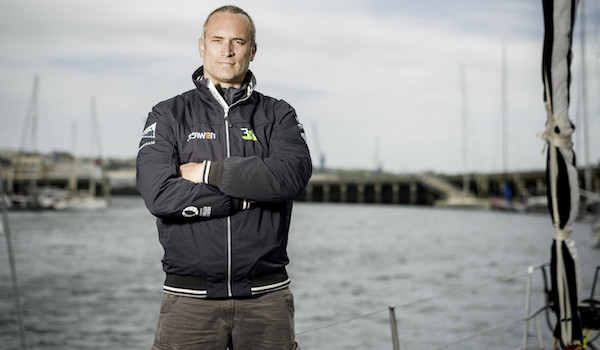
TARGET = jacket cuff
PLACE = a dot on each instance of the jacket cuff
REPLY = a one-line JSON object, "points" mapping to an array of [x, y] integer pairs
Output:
{"points": [[213, 172], [241, 204]]}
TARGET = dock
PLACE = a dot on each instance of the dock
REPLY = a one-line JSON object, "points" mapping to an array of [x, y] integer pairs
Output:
{"points": [[427, 188], [422, 188]]}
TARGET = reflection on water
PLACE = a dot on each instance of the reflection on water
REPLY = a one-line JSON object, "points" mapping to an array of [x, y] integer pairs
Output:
{"points": [[92, 280]]}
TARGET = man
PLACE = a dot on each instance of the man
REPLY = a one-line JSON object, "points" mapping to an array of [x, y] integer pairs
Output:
{"points": [[219, 166]]}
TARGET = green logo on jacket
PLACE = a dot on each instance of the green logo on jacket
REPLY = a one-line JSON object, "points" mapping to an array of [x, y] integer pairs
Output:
{"points": [[248, 134]]}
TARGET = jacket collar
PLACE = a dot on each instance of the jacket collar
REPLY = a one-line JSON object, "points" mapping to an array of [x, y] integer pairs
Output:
{"points": [[230, 95]]}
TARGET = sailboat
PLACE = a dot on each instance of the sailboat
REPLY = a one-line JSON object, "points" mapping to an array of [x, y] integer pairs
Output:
{"points": [[506, 202], [464, 198], [29, 167], [88, 199]]}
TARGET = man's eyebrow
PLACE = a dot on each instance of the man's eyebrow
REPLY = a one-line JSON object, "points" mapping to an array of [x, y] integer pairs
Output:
{"points": [[232, 39]]}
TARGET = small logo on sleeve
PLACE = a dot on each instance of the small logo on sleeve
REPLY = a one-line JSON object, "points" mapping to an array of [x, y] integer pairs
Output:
{"points": [[149, 143], [150, 131], [192, 211]]}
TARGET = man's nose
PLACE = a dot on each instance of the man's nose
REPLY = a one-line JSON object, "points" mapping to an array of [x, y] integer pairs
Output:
{"points": [[227, 49]]}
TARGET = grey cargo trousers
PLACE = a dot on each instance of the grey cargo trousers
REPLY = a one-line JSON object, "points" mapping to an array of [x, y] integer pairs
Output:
{"points": [[264, 322]]}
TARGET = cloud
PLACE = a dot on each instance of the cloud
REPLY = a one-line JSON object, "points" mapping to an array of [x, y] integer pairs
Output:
{"points": [[368, 76]]}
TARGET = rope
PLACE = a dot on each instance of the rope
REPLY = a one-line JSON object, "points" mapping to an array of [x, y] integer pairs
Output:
{"points": [[417, 301], [424, 300], [6, 230], [328, 325], [549, 134], [562, 234], [493, 329], [556, 139]]}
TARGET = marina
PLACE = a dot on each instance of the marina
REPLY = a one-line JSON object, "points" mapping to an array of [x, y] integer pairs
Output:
{"points": [[92, 279], [378, 260], [117, 177]]}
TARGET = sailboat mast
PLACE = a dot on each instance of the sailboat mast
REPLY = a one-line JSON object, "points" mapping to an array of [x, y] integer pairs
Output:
{"points": [[463, 94], [321, 155], [504, 113], [35, 110], [31, 118], [35, 115], [586, 139], [96, 142]]}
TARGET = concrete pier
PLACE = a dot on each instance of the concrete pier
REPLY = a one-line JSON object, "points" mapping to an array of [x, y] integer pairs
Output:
{"points": [[426, 188], [36, 171], [398, 189], [405, 189]]}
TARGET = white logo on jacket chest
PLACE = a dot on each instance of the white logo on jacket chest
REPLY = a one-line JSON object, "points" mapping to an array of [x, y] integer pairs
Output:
{"points": [[207, 135]]}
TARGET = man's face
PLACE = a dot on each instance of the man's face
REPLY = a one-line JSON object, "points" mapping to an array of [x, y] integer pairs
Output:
{"points": [[227, 49]]}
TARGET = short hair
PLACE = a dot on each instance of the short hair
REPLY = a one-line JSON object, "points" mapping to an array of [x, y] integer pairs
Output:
{"points": [[232, 9]]}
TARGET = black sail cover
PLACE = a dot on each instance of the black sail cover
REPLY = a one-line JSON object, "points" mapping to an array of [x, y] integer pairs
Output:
{"points": [[561, 173]]}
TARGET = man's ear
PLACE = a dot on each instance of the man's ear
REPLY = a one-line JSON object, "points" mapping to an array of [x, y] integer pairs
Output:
{"points": [[254, 47], [201, 47]]}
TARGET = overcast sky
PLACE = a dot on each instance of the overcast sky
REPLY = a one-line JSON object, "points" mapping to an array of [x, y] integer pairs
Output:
{"points": [[370, 79]]}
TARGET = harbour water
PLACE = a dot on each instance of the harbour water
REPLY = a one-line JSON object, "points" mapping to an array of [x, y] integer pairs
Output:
{"points": [[92, 280]]}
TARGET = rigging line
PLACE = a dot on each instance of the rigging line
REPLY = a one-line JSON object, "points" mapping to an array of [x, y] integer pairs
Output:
{"points": [[490, 330], [340, 322], [586, 143], [30, 118], [5, 228], [463, 290], [417, 301], [96, 148]]}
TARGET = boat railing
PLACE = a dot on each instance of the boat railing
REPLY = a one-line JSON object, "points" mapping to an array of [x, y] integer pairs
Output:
{"points": [[535, 316], [528, 315], [393, 322]]}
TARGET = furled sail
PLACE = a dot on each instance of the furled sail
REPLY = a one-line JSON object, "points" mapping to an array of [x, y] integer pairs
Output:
{"points": [[561, 174]]}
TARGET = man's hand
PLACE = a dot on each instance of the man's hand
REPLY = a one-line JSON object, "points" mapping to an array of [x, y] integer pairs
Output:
{"points": [[192, 171]]}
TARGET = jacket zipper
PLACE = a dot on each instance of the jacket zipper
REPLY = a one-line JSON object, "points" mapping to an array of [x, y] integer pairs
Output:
{"points": [[228, 154], [228, 125]]}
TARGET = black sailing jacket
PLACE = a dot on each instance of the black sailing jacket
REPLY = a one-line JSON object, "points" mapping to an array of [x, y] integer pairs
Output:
{"points": [[217, 245]]}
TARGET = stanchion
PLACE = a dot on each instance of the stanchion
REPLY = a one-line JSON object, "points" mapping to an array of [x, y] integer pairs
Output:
{"points": [[395, 341]]}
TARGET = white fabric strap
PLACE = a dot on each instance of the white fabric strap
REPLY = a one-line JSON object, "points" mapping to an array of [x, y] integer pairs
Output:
{"points": [[556, 139], [562, 235], [205, 171]]}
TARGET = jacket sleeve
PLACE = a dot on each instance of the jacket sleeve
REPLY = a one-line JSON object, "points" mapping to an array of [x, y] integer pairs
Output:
{"points": [[164, 191], [281, 176]]}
